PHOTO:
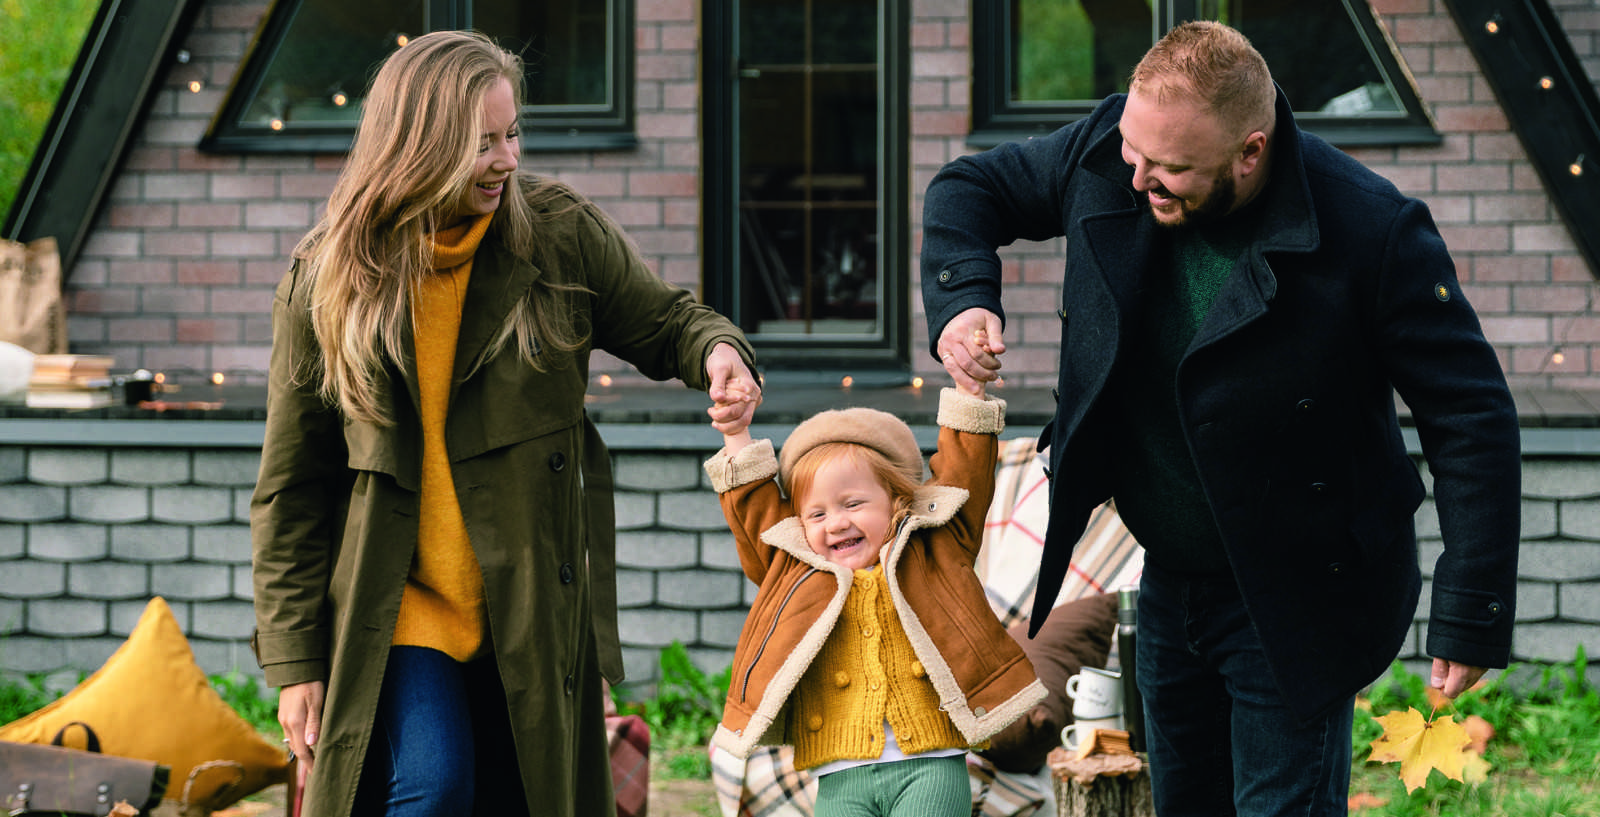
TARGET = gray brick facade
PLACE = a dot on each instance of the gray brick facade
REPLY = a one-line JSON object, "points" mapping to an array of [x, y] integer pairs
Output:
{"points": [[88, 535]]}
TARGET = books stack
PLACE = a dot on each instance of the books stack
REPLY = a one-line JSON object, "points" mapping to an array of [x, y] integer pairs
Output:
{"points": [[70, 381]]}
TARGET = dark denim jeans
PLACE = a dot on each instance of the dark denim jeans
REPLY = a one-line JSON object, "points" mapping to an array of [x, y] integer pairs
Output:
{"points": [[1222, 739], [442, 743]]}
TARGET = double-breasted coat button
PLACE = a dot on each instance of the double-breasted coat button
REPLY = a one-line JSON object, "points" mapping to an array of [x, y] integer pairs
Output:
{"points": [[566, 573], [945, 276], [1319, 487], [569, 684], [1305, 405], [558, 461], [1336, 568], [1494, 607]]}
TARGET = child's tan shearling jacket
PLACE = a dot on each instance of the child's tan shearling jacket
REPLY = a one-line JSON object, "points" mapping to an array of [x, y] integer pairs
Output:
{"points": [[983, 679]]}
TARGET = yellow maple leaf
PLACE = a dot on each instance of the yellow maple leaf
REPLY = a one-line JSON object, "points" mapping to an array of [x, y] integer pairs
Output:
{"points": [[1420, 746]]}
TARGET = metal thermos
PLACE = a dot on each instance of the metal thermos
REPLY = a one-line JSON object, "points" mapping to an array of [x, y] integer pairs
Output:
{"points": [[1128, 651]]}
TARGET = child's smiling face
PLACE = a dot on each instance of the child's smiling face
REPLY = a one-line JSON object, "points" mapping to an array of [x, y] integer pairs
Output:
{"points": [[846, 513]]}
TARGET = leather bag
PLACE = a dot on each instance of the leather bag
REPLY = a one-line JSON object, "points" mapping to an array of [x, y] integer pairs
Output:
{"points": [[53, 779]]}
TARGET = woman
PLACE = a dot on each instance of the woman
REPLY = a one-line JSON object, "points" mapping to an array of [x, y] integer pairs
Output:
{"points": [[432, 526]]}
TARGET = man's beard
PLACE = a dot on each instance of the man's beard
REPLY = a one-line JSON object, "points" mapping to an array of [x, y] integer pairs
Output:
{"points": [[1211, 209]]}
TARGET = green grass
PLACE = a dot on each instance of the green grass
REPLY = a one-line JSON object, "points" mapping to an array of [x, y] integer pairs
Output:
{"points": [[1542, 756], [41, 40]]}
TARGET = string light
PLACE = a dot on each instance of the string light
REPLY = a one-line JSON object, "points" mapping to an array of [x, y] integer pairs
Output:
{"points": [[605, 380], [340, 100], [1493, 26], [916, 382], [276, 124], [1558, 357], [1546, 83], [1576, 168], [401, 40], [195, 86], [217, 378], [847, 382]]}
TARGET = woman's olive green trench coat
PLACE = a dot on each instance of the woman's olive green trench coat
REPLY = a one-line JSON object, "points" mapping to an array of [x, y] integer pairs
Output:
{"points": [[334, 515]]}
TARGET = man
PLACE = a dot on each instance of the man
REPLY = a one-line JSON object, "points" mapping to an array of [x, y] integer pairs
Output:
{"points": [[1240, 305]]}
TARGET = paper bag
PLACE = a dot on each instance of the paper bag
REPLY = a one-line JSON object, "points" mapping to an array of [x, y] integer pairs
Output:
{"points": [[32, 314]]}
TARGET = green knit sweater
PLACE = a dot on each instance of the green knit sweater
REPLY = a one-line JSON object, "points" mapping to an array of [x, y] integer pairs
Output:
{"points": [[1157, 488]]}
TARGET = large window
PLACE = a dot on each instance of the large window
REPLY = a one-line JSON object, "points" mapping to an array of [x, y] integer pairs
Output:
{"points": [[299, 87], [1042, 63]]}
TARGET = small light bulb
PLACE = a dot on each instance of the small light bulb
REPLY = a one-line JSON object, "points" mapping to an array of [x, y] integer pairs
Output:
{"points": [[217, 378], [340, 100], [195, 86], [605, 380], [402, 40], [1558, 357], [276, 124], [161, 377], [916, 382], [1576, 168], [1546, 83], [1493, 26], [847, 381]]}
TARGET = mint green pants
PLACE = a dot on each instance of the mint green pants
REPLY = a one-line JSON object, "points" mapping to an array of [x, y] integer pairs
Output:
{"points": [[921, 787]]}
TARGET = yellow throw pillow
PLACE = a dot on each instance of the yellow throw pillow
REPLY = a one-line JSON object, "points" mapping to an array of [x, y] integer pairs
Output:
{"points": [[151, 701]]}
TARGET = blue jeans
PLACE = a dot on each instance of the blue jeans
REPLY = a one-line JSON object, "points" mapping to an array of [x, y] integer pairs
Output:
{"points": [[442, 742], [1221, 737]]}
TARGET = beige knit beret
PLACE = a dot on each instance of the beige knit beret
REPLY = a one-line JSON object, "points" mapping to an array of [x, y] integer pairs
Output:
{"points": [[878, 430]]}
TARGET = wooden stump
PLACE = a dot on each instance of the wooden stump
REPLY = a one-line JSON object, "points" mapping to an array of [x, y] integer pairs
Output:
{"points": [[1101, 785]]}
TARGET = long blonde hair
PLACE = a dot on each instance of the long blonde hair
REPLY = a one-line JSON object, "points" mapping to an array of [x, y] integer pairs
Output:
{"points": [[412, 158]]}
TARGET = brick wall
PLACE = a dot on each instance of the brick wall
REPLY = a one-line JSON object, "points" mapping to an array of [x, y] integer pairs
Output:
{"points": [[178, 271], [87, 535]]}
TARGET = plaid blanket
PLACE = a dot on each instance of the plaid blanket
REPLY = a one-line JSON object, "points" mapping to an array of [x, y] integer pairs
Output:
{"points": [[1107, 558]]}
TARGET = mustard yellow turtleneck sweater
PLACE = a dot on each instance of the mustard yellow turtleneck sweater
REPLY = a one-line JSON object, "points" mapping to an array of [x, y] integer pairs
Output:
{"points": [[442, 606]]}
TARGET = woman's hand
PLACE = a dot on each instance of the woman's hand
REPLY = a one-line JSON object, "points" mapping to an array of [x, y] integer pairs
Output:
{"points": [[300, 715], [735, 391]]}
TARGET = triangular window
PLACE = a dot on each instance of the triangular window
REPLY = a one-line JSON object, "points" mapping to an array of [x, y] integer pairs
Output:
{"points": [[1042, 63], [300, 85]]}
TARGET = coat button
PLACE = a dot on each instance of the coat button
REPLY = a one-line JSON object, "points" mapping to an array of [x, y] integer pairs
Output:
{"points": [[1305, 405], [1055, 395], [1319, 487], [569, 684], [945, 276], [566, 573], [1494, 607], [979, 711], [558, 461], [1336, 568], [1061, 313]]}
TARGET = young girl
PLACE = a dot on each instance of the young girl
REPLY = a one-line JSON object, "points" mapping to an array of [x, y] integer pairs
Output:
{"points": [[870, 647]]}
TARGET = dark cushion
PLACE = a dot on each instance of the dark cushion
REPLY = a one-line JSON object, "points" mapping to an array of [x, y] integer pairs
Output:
{"points": [[1077, 634]]}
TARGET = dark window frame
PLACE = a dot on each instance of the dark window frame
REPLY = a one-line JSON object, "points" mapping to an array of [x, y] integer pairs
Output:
{"points": [[882, 361], [995, 119], [545, 128]]}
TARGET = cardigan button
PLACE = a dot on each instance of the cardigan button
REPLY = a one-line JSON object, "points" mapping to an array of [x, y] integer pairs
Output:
{"points": [[814, 723], [558, 461], [917, 670], [841, 679]]}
